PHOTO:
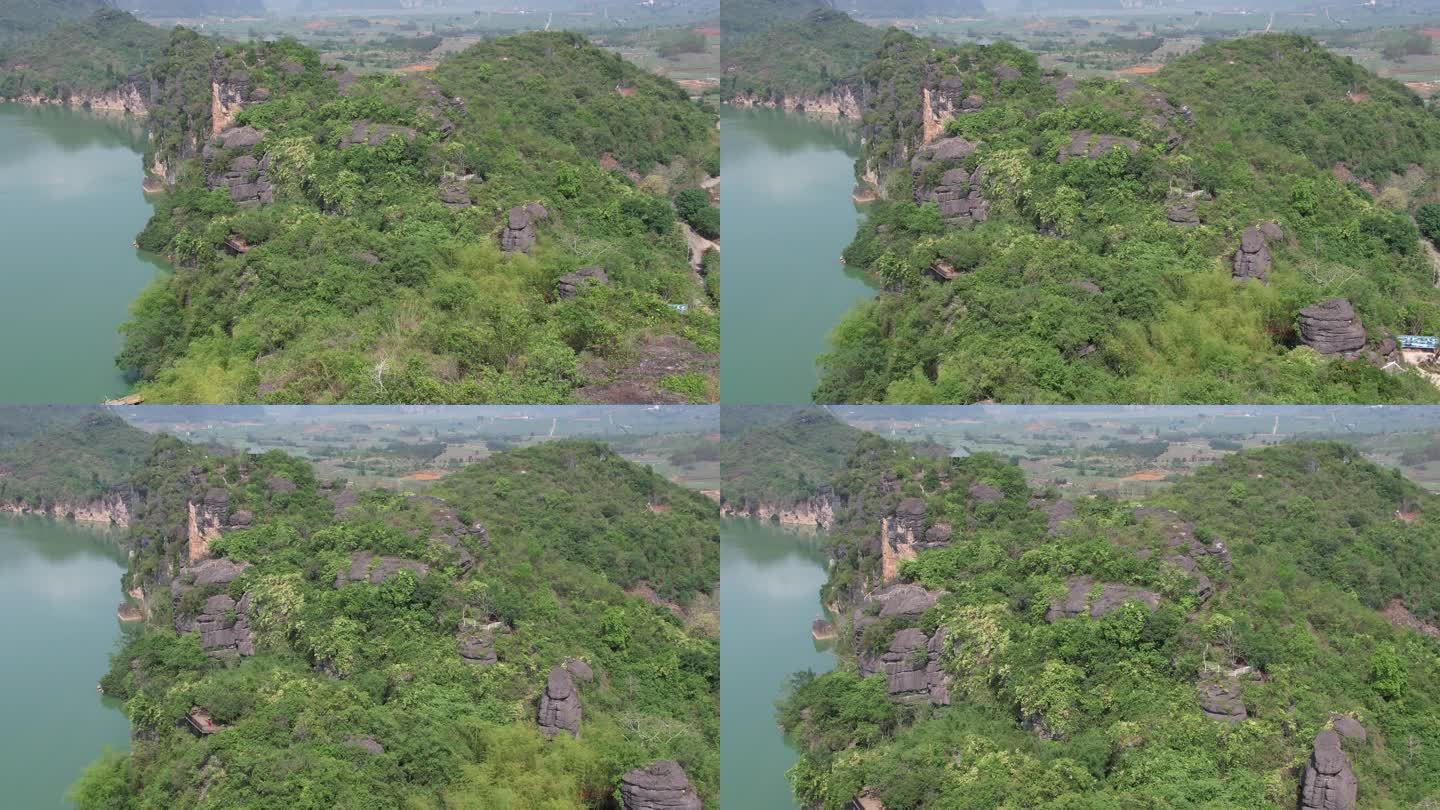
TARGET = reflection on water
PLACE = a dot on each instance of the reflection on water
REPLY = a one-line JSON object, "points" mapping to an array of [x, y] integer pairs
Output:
{"points": [[769, 583], [59, 586], [71, 202], [788, 215]]}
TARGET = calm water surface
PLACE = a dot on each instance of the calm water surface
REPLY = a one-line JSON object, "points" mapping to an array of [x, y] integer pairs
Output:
{"points": [[59, 586], [788, 215], [769, 594], [70, 206]]}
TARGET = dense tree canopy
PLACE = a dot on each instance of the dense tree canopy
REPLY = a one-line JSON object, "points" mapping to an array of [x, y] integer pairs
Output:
{"points": [[1311, 555], [355, 696], [377, 274], [1085, 283]]}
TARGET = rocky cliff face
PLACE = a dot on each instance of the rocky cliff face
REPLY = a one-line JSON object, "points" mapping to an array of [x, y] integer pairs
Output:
{"points": [[131, 97], [112, 508], [207, 516], [817, 511], [842, 101]]}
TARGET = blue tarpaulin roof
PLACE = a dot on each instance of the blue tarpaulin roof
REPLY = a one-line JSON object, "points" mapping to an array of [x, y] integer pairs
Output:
{"points": [[1418, 341]]}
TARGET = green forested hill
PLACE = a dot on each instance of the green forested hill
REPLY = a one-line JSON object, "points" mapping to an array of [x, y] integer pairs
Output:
{"points": [[782, 461], [93, 54], [740, 19], [379, 244], [72, 457], [1221, 626], [798, 57], [23, 19], [1092, 230], [368, 649]]}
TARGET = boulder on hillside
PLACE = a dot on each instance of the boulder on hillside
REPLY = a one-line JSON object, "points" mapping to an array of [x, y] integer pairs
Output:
{"points": [[1220, 700], [518, 234], [905, 599], [1348, 727], [1084, 144], [369, 134], [985, 493], [559, 705], [1329, 782], [365, 566], [1252, 258], [569, 285], [1331, 327], [1182, 215], [661, 785], [1078, 600]]}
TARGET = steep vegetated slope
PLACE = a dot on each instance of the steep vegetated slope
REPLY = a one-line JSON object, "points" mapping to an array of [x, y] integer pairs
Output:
{"points": [[1238, 230], [773, 468], [1261, 635], [100, 60], [741, 19], [76, 464], [531, 635], [499, 230], [796, 63]]}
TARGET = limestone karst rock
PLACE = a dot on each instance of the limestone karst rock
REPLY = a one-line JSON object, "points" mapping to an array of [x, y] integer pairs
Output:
{"points": [[1348, 727], [1329, 782], [559, 704], [1332, 327], [661, 785]]}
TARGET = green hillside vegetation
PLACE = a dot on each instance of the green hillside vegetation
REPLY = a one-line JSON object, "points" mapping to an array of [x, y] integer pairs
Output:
{"points": [[95, 54], [360, 284], [23, 19], [73, 460], [799, 57], [356, 696], [781, 461], [1103, 712], [1078, 287], [740, 19]]}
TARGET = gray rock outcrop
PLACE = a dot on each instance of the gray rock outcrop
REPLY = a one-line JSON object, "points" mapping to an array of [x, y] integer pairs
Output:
{"points": [[229, 163], [559, 705], [1182, 215], [518, 235], [661, 785], [1329, 782], [568, 285], [368, 134], [1077, 600], [1348, 727], [956, 191], [1252, 258], [1220, 700], [1331, 327], [911, 665], [221, 621], [455, 191], [905, 599], [476, 642], [1084, 144], [365, 566], [579, 669], [985, 493]]}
